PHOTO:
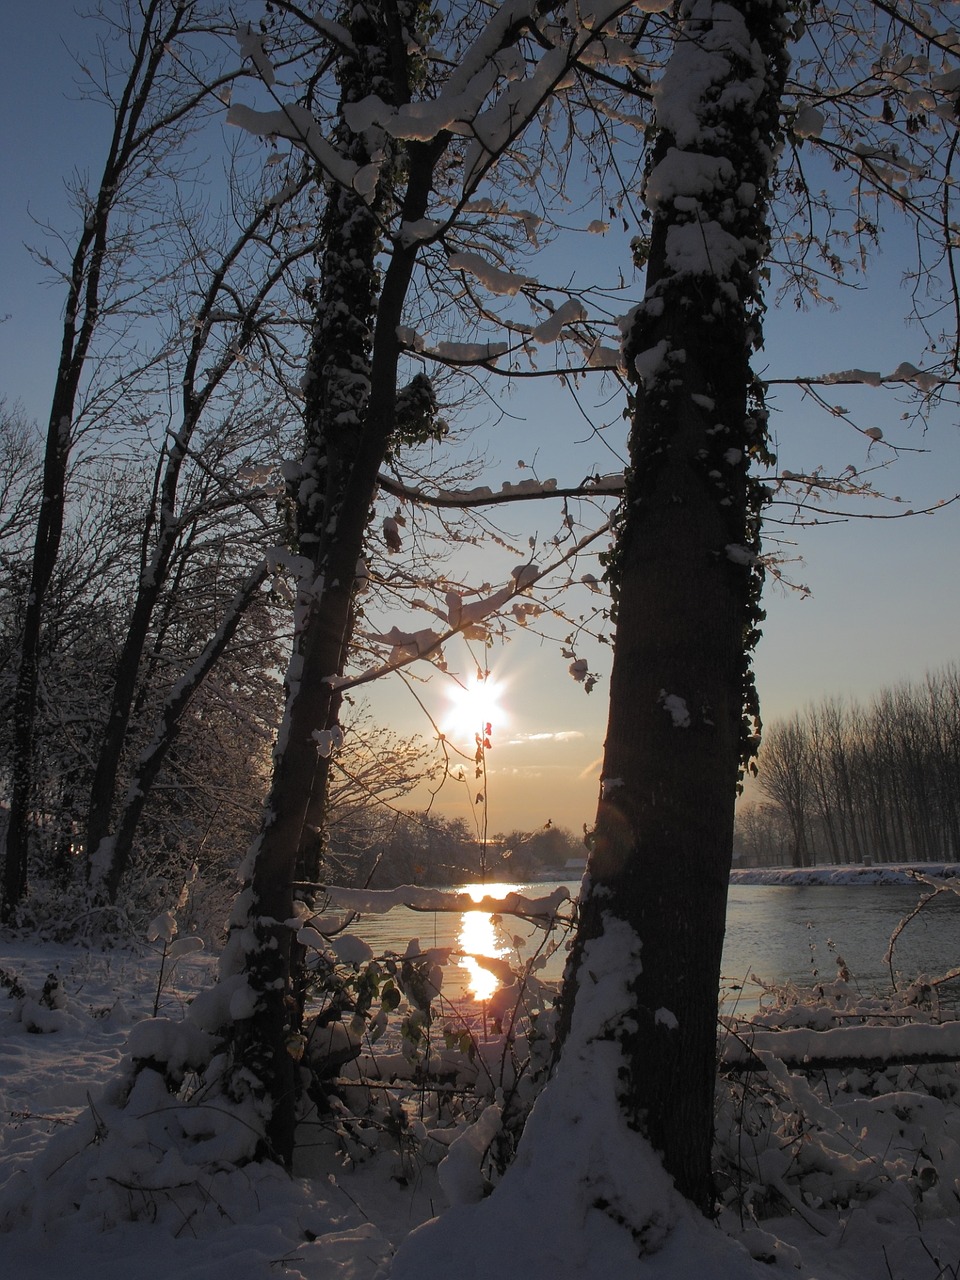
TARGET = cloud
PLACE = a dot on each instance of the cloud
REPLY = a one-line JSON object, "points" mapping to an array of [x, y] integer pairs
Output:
{"points": [[565, 735]]}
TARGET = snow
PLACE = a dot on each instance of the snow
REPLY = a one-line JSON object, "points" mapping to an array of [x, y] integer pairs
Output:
{"points": [[649, 363], [505, 283], [296, 124], [585, 1194], [867, 377], [809, 122], [529, 487], [469, 352], [251, 46], [736, 553], [906, 372], [328, 741], [570, 312], [422, 229], [688, 174], [350, 949], [377, 901], [468, 618], [699, 68], [613, 483], [877, 1043], [525, 575], [460, 1174], [887, 873], [408, 644], [599, 356], [702, 80], [866, 1192], [163, 926], [702, 248], [458, 107], [676, 708]]}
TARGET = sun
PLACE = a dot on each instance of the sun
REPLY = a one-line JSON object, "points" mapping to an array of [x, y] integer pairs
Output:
{"points": [[474, 705]]}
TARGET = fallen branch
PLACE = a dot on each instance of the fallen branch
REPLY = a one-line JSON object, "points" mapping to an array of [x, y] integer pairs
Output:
{"points": [[843, 1048]]}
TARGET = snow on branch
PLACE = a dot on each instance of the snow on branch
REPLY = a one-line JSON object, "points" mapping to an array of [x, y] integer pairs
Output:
{"points": [[467, 353], [297, 125], [570, 312], [863, 1046], [525, 490], [251, 46], [417, 898], [408, 646], [505, 283], [905, 372], [494, 92]]}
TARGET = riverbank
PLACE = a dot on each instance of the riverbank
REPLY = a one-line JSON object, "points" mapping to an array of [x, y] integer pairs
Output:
{"points": [[888, 873]]}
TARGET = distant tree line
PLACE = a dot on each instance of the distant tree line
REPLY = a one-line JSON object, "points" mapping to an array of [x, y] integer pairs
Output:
{"points": [[428, 849], [847, 782]]}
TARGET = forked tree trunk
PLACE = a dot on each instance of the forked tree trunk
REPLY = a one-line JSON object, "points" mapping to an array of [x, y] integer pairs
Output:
{"points": [[350, 413], [685, 574]]}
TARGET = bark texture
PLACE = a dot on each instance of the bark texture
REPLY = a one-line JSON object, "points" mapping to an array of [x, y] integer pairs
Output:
{"points": [[685, 573], [350, 414]]}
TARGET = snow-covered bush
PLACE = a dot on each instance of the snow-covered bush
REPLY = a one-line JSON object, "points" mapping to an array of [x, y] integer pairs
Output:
{"points": [[830, 1100]]}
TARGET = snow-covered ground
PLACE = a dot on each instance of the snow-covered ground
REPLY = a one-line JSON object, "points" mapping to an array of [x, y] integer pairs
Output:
{"points": [[861, 873], [850, 1172], [258, 1223]]}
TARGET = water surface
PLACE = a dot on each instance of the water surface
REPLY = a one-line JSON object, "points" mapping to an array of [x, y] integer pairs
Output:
{"points": [[776, 932]]}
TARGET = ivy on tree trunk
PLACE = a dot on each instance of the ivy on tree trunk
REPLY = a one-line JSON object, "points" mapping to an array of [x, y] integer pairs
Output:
{"points": [[350, 413], [686, 574]]}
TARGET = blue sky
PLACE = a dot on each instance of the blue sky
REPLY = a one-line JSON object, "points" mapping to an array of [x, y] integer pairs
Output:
{"points": [[884, 605]]}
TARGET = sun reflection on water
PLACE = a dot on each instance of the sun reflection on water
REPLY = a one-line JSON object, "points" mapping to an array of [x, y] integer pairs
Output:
{"points": [[479, 937]]}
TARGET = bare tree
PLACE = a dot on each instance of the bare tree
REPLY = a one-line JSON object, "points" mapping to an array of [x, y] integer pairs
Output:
{"points": [[784, 775], [875, 782], [227, 329], [761, 835], [154, 98]]}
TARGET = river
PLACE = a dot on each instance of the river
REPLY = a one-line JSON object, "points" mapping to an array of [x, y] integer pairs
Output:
{"points": [[777, 932]]}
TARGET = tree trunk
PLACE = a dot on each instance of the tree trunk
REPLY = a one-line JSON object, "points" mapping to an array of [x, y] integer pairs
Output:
{"points": [[46, 549], [686, 576], [351, 424], [350, 414]]}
